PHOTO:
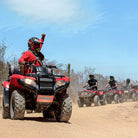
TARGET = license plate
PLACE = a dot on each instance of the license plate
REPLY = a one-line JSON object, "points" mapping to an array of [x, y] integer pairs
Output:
{"points": [[125, 91], [85, 93], [45, 99]]}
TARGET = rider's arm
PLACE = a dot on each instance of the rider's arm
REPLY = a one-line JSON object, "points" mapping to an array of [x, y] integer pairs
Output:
{"points": [[85, 85], [24, 58], [116, 84], [22, 61], [42, 39], [96, 85], [107, 85]]}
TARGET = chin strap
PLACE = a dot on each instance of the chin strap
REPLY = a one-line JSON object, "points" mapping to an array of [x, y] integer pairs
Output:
{"points": [[36, 57]]}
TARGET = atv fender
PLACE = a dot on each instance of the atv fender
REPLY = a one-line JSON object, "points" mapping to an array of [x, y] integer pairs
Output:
{"points": [[6, 93], [60, 89], [101, 93]]}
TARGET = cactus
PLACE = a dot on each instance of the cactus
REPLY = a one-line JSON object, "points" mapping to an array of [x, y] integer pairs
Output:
{"points": [[69, 70]]}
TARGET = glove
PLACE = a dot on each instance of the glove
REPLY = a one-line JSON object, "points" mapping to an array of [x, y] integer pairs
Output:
{"points": [[43, 36], [41, 56], [22, 62]]}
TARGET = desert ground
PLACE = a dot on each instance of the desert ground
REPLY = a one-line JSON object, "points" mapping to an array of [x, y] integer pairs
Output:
{"points": [[110, 121]]}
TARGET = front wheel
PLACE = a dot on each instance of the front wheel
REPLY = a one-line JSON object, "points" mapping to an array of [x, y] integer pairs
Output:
{"points": [[116, 98], [17, 105], [88, 104], [63, 113], [121, 98], [80, 103], [109, 101], [97, 100], [125, 97], [134, 97], [104, 100], [5, 110]]}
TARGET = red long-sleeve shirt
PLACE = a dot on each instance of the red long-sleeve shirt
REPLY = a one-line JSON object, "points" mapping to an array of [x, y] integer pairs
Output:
{"points": [[29, 57]]}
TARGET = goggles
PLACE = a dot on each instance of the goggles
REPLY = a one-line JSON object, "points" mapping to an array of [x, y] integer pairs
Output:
{"points": [[111, 79], [37, 49], [91, 76], [37, 45]]}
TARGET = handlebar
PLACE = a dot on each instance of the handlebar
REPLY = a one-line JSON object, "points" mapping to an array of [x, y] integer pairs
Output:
{"points": [[114, 87], [89, 87], [110, 88], [28, 63], [51, 66]]}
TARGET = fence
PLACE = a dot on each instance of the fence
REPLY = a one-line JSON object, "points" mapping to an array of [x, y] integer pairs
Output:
{"points": [[3, 73]]}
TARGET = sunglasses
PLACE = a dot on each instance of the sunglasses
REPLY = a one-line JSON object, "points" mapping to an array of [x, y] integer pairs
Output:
{"points": [[37, 45], [38, 49]]}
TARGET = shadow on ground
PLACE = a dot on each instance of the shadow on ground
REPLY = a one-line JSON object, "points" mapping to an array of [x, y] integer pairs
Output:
{"points": [[41, 119]]}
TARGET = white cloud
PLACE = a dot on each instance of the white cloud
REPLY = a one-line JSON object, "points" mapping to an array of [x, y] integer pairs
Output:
{"points": [[54, 11], [68, 13]]}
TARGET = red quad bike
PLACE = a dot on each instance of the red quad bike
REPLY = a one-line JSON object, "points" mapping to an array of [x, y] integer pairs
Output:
{"points": [[121, 96], [114, 95], [136, 89], [38, 91], [137, 95], [131, 94], [98, 97]]}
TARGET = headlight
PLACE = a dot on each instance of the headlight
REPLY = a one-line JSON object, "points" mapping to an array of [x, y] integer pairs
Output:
{"points": [[29, 81], [125, 91], [60, 82]]}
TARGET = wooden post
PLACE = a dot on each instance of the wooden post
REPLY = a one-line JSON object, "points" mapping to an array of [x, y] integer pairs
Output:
{"points": [[69, 71]]}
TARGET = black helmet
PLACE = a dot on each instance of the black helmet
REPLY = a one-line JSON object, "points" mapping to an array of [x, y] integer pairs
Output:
{"points": [[34, 44], [112, 78], [91, 76], [128, 80]]}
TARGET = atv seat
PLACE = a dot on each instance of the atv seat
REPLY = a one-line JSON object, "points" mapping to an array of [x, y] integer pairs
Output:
{"points": [[41, 71], [14, 70]]}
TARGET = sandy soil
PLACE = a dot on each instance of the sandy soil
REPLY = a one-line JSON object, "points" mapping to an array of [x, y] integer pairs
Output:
{"points": [[110, 121]]}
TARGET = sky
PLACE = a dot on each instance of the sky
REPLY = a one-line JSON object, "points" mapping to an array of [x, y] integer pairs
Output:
{"points": [[100, 34]]}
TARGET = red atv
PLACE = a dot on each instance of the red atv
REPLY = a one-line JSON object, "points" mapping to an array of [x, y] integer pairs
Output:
{"points": [[89, 96], [136, 89], [137, 95], [38, 91], [114, 95], [130, 94]]}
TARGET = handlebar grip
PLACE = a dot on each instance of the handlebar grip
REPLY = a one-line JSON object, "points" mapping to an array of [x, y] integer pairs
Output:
{"points": [[51, 66], [28, 63]]}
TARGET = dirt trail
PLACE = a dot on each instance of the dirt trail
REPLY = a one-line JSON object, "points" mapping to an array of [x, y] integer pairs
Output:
{"points": [[110, 121]]}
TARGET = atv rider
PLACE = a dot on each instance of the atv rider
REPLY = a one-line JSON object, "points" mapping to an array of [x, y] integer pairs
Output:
{"points": [[92, 83], [128, 85], [33, 54], [112, 83]]}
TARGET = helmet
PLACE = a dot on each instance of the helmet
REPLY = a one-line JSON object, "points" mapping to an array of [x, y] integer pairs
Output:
{"points": [[91, 76], [112, 78], [128, 80], [34, 44]]}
